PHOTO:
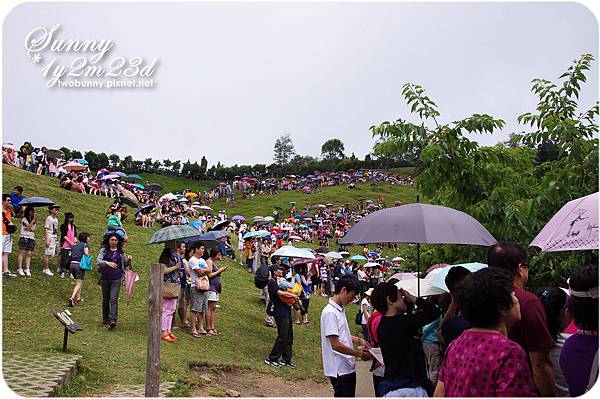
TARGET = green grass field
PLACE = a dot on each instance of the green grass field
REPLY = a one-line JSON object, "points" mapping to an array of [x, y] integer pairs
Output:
{"points": [[118, 356]]}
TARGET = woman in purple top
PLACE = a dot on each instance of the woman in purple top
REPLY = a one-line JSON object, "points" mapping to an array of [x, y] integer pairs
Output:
{"points": [[214, 281], [579, 355], [483, 361], [111, 261]]}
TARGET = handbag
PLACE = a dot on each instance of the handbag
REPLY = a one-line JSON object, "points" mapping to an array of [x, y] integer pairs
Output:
{"points": [[202, 283], [170, 290], [86, 262]]}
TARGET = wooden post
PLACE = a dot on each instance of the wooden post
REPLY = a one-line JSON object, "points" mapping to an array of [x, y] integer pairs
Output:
{"points": [[154, 314]]}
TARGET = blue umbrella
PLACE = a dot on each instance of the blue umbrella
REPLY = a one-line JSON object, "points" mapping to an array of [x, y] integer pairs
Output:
{"points": [[36, 201], [358, 257], [137, 177], [440, 274], [210, 236], [120, 174], [81, 161], [251, 234], [141, 187], [297, 217]]}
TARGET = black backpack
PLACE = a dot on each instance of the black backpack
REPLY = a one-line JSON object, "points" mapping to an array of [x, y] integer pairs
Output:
{"points": [[262, 277]]}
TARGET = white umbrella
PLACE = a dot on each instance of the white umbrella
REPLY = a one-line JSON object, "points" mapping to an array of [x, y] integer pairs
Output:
{"points": [[371, 264], [167, 197], [398, 259], [426, 287], [334, 255], [293, 252], [205, 208]]}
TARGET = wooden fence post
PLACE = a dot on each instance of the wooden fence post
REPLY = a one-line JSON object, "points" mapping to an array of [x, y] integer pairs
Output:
{"points": [[154, 314]]}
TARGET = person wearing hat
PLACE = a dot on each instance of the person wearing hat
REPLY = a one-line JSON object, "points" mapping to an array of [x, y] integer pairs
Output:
{"points": [[283, 320], [50, 238]]}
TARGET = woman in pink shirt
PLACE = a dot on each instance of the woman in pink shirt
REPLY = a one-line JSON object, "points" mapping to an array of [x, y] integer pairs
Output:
{"points": [[483, 362]]}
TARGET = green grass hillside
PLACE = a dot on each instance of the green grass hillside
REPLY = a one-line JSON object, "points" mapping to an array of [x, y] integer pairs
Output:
{"points": [[173, 184], [118, 356]]}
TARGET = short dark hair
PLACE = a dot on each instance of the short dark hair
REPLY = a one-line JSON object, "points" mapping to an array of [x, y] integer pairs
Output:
{"points": [[4, 197], [506, 255], [348, 281], [213, 252], [18, 188], [484, 294], [585, 310], [83, 237], [455, 276], [381, 293]]}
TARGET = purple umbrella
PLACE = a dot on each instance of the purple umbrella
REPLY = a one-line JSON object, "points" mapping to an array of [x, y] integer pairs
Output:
{"points": [[419, 224], [574, 227], [238, 217], [111, 176], [130, 278]]}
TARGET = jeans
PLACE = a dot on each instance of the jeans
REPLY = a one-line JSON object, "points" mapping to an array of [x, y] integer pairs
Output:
{"points": [[110, 299], [433, 354], [285, 339], [344, 386], [268, 319]]}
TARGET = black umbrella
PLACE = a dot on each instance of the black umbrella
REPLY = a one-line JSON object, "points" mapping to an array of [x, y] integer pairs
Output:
{"points": [[36, 201], [419, 224], [144, 208], [154, 187], [129, 201], [220, 225]]}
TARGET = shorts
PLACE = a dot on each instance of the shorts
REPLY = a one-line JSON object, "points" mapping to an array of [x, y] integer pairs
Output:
{"points": [[77, 272], [199, 300], [27, 244], [51, 249], [213, 296], [184, 295], [6, 243]]}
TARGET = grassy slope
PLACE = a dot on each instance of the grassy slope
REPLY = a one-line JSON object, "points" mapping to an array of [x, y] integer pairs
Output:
{"points": [[177, 183], [118, 357]]}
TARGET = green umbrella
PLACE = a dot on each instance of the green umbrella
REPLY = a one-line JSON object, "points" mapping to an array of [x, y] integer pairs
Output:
{"points": [[358, 257], [171, 233], [269, 219]]}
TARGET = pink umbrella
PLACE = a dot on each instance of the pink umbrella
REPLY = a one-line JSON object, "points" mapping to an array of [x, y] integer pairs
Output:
{"points": [[403, 276], [130, 278], [436, 266], [574, 227]]}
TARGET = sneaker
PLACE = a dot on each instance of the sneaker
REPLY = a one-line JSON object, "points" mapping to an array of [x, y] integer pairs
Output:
{"points": [[9, 274], [71, 276], [62, 275], [112, 324], [290, 364], [28, 273], [273, 363], [48, 272], [20, 271]]}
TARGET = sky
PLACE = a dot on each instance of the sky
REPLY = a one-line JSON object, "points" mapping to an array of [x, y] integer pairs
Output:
{"points": [[233, 77]]}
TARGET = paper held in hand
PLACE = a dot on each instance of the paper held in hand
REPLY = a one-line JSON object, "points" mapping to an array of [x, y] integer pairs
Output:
{"points": [[376, 352]]}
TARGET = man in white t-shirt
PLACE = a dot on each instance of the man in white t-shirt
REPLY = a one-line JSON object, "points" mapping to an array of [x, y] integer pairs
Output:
{"points": [[50, 238], [337, 345]]}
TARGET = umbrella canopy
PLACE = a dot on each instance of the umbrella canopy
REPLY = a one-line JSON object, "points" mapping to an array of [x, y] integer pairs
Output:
{"points": [[419, 223], [36, 201], [129, 198], [301, 261], [357, 257], [403, 276], [171, 233], [371, 264], [154, 187], [167, 197], [144, 208], [345, 254], [134, 177], [196, 224], [275, 230], [334, 255], [294, 238], [436, 266], [183, 200], [210, 236], [140, 186], [110, 176], [205, 208], [573, 228], [190, 195], [258, 219], [73, 166], [120, 174], [322, 250], [238, 218], [414, 285], [220, 225], [308, 215], [293, 252], [81, 161], [398, 259], [269, 219], [439, 279]]}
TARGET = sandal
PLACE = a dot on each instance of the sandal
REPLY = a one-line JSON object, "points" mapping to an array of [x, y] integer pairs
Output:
{"points": [[203, 332], [306, 322], [80, 300], [213, 332], [196, 335], [71, 302], [297, 322]]}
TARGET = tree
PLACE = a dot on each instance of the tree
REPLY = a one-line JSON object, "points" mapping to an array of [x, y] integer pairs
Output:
{"points": [[156, 166], [333, 149], [504, 187], [102, 160], [66, 151], [148, 164], [92, 158], [127, 164], [175, 166], [114, 160], [76, 154], [167, 164], [283, 149]]}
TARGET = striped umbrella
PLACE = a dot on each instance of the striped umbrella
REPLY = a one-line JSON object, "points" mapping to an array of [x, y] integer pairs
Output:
{"points": [[171, 233]]}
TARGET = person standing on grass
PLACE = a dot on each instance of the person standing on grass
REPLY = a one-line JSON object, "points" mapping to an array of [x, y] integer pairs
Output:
{"points": [[241, 246], [214, 278], [183, 303], [283, 320], [77, 252], [199, 305], [111, 261], [50, 238], [171, 274], [7, 227], [68, 238], [337, 345], [531, 332], [26, 241]]}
